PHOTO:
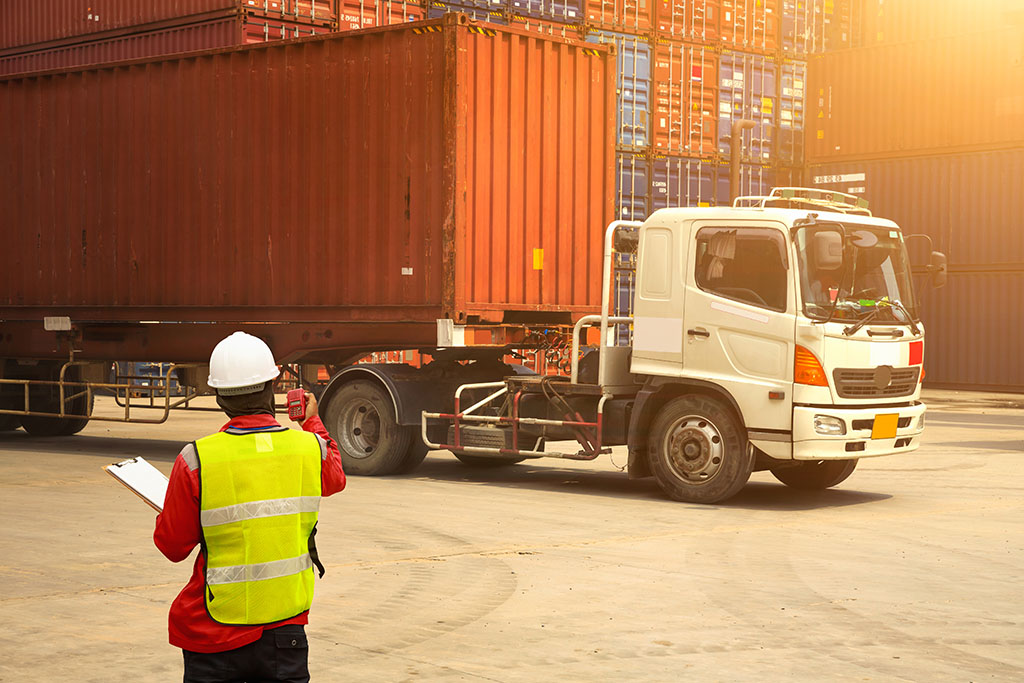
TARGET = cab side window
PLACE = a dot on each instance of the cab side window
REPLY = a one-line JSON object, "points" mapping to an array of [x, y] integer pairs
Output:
{"points": [[743, 264]]}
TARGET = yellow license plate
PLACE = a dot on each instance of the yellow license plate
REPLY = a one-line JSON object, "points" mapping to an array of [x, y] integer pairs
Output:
{"points": [[885, 426]]}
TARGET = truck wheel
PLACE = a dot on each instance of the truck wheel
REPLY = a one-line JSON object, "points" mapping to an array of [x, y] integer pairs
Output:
{"points": [[416, 452], [361, 418], [58, 426], [814, 475], [8, 423], [488, 461], [698, 451]]}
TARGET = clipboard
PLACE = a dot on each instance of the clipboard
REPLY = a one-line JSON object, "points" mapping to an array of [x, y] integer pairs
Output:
{"points": [[142, 479]]}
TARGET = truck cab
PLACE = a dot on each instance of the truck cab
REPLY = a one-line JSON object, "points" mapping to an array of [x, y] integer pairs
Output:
{"points": [[781, 333], [803, 322]]}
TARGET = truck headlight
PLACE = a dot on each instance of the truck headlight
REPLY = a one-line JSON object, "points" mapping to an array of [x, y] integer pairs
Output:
{"points": [[920, 422], [833, 426]]}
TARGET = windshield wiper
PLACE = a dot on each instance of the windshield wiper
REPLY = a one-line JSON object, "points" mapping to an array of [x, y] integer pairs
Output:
{"points": [[895, 303], [850, 329], [861, 322]]}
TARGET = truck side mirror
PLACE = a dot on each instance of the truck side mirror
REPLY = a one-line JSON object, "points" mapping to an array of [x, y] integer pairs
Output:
{"points": [[937, 268]]}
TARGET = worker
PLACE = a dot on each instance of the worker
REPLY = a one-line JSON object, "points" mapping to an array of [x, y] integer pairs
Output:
{"points": [[248, 496]]}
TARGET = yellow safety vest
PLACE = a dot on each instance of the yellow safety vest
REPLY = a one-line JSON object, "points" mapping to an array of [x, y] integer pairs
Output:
{"points": [[259, 497]]}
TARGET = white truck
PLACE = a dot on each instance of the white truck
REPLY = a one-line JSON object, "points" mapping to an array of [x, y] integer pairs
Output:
{"points": [[779, 334]]}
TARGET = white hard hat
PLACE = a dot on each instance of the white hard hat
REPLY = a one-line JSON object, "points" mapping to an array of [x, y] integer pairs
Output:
{"points": [[241, 364]]}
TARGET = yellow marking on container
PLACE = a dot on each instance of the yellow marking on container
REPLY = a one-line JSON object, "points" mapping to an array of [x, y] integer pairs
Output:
{"points": [[821, 135], [538, 259]]}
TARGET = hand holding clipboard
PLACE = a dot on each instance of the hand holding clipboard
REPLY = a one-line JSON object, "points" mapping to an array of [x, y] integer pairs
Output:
{"points": [[144, 480]]}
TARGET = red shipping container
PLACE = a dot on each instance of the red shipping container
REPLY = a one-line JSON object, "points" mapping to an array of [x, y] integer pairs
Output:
{"points": [[629, 16], [398, 12], [399, 174], [234, 29], [357, 14], [31, 22], [749, 25], [685, 99], [696, 20]]}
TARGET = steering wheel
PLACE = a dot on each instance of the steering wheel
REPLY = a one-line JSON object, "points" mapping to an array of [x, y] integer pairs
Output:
{"points": [[744, 294]]}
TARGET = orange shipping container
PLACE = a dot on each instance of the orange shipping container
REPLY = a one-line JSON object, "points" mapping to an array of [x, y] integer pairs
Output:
{"points": [[953, 94], [685, 99]]}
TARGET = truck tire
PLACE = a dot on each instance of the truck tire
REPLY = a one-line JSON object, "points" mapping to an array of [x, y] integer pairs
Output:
{"points": [[814, 475], [361, 418], [58, 426], [416, 452], [488, 461], [8, 423], [698, 450]]}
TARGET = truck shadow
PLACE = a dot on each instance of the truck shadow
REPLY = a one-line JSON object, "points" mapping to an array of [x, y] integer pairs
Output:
{"points": [[107, 448], [756, 495]]}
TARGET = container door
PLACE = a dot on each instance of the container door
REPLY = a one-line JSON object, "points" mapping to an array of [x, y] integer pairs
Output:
{"points": [[740, 317]]}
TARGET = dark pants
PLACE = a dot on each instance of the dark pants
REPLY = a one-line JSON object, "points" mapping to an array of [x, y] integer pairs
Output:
{"points": [[280, 655]]}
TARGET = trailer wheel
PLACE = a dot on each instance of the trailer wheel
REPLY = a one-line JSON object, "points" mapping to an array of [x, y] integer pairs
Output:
{"points": [[58, 426], [416, 452], [814, 475], [361, 418], [8, 423], [488, 461], [698, 451]]}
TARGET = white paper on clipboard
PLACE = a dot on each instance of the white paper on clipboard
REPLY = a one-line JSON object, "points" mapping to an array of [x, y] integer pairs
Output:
{"points": [[146, 481]]}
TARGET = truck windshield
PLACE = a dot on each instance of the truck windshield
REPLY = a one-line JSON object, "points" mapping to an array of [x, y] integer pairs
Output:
{"points": [[849, 268]]}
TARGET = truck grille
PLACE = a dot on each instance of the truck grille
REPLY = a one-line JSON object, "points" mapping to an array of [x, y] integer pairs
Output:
{"points": [[865, 383]]}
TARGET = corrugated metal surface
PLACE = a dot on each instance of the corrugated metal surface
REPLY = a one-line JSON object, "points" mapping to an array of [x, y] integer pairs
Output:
{"points": [[682, 181], [633, 87], [563, 11], [429, 171], [696, 20], [973, 328], [357, 14], [900, 21], [398, 12], [549, 28], [969, 204], [747, 89], [204, 35], [633, 186], [26, 22], [749, 26], [628, 16], [957, 94], [755, 180], [685, 119], [790, 132]]}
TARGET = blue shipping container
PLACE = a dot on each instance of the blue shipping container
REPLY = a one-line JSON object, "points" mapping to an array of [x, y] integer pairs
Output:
{"points": [[792, 83], [633, 88], [633, 184], [566, 12], [747, 89], [755, 180], [682, 181]]}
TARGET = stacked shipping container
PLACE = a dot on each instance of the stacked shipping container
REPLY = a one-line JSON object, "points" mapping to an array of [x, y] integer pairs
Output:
{"points": [[930, 129], [49, 34]]}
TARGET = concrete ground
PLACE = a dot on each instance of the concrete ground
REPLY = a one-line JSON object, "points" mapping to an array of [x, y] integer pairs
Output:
{"points": [[557, 571]]}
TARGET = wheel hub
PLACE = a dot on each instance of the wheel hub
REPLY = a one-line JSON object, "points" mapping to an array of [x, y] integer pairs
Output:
{"points": [[359, 429], [694, 449]]}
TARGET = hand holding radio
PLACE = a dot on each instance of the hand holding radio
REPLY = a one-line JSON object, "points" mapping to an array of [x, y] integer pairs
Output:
{"points": [[301, 405]]}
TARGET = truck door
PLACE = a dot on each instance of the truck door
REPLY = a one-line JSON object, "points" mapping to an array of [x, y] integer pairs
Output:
{"points": [[739, 318], [658, 337]]}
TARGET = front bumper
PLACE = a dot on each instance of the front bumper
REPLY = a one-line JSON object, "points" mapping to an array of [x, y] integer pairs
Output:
{"points": [[857, 442]]}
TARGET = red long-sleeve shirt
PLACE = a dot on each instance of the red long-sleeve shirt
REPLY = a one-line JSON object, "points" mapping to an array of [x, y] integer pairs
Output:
{"points": [[178, 532]]}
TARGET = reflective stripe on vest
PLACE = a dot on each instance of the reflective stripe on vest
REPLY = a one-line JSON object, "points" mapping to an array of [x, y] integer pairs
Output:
{"points": [[259, 503]]}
